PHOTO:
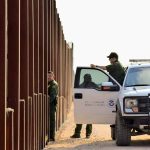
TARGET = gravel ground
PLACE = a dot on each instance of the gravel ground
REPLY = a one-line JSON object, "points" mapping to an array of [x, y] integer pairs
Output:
{"points": [[99, 140]]}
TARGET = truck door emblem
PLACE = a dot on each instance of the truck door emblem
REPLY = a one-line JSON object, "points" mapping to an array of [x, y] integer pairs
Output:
{"points": [[111, 103]]}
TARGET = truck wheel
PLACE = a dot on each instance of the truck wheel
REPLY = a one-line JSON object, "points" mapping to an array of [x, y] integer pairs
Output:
{"points": [[113, 133], [123, 132]]}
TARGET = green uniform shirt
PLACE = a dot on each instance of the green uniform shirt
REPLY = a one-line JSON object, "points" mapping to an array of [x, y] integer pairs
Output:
{"points": [[53, 91], [116, 71]]}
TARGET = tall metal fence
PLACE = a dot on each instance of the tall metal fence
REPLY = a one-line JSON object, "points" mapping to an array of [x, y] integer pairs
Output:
{"points": [[32, 42]]}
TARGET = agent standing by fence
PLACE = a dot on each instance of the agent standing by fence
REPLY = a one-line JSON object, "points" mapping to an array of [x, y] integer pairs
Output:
{"points": [[53, 96]]}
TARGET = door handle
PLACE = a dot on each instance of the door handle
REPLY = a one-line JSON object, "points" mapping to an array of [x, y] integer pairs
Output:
{"points": [[78, 96]]}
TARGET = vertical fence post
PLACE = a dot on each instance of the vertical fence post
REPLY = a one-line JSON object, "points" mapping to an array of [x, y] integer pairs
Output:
{"points": [[46, 19], [49, 33], [36, 46], [36, 121], [3, 72], [24, 63], [41, 63], [31, 70], [14, 64], [30, 122], [52, 37], [36, 68], [22, 124], [10, 129]]}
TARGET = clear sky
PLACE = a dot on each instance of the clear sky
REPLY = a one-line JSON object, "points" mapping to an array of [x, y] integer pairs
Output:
{"points": [[97, 27]]}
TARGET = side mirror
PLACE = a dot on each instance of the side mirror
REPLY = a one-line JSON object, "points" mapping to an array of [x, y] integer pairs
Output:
{"points": [[109, 86]]}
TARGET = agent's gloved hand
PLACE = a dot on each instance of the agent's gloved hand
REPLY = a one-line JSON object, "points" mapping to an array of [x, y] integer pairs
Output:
{"points": [[93, 66]]}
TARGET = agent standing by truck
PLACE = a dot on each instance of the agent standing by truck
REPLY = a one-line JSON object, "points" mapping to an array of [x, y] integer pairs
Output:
{"points": [[87, 83], [115, 69]]}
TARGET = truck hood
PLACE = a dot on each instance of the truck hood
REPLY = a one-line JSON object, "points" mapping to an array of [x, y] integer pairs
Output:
{"points": [[135, 91]]}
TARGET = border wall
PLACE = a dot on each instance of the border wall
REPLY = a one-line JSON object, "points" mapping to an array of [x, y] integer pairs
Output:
{"points": [[31, 43]]}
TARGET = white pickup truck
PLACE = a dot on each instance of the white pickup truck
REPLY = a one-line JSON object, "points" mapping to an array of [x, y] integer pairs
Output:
{"points": [[126, 108]]}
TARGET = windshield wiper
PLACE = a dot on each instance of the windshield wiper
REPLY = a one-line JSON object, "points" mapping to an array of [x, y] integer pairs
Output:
{"points": [[137, 85]]}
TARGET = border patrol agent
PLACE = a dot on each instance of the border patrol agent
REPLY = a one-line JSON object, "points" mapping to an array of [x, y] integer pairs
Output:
{"points": [[115, 69], [86, 84], [53, 96]]}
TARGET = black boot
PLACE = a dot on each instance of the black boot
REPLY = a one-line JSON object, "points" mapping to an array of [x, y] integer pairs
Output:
{"points": [[75, 136]]}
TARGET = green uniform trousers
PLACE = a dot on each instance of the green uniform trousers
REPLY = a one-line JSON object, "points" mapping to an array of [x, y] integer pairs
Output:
{"points": [[79, 127], [52, 124]]}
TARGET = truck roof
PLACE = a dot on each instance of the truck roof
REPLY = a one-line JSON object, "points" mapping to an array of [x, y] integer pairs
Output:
{"points": [[139, 65]]}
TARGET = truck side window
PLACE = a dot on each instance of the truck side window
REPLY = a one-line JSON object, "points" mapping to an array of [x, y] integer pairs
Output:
{"points": [[88, 83], [92, 78]]}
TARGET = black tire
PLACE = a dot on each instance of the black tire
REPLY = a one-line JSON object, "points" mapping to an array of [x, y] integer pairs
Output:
{"points": [[123, 132], [113, 133]]}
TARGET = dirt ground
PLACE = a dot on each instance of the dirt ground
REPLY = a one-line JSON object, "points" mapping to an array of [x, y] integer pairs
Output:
{"points": [[99, 140]]}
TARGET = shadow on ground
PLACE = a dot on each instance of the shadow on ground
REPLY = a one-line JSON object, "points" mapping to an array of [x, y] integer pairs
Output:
{"points": [[87, 144]]}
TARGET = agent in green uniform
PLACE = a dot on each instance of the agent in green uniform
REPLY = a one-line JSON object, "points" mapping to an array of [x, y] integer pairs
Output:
{"points": [[115, 69], [87, 83], [53, 96]]}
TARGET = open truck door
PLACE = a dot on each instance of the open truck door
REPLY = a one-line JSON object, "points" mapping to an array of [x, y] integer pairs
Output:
{"points": [[95, 103]]}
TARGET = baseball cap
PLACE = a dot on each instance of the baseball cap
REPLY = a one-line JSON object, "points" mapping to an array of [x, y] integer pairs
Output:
{"points": [[112, 55]]}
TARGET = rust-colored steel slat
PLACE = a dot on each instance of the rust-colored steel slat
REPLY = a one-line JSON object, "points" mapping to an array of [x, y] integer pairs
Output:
{"points": [[22, 124], [45, 66], [3, 72], [66, 74], [43, 122], [41, 46], [55, 61], [33, 128], [49, 32], [69, 87], [71, 74], [64, 108], [14, 64], [37, 101], [65, 79], [53, 38], [50, 36], [24, 64], [46, 118], [60, 55], [41, 65], [58, 49], [30, 122], [40, 121], [57, 116], [60, 112], [36, 46], [31, 69], [10, 129], [46, 46], [36, 120], [36, 69], [56, 41], [31, 48]]}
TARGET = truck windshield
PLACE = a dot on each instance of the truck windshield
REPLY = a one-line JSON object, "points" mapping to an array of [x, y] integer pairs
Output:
{"points": [[138, 77]]}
